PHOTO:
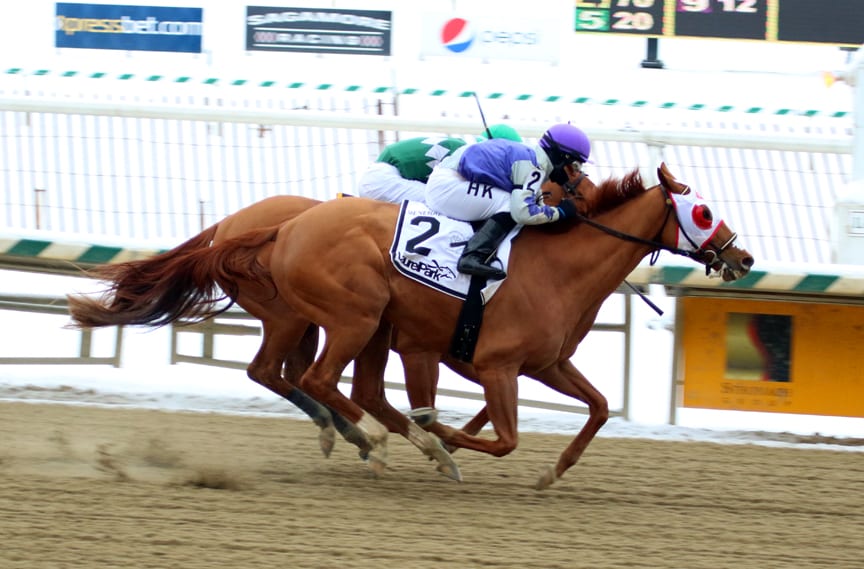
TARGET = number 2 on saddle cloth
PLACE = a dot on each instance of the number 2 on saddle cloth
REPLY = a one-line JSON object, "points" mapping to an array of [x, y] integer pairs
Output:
{"points": [[426, 247]]}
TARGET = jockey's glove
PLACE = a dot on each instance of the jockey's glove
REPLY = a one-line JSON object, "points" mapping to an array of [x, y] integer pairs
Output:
{"points": [[566, 209]]}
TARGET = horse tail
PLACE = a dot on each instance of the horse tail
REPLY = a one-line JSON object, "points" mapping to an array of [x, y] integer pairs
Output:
{"points": [[175, 284], [236, 259]]}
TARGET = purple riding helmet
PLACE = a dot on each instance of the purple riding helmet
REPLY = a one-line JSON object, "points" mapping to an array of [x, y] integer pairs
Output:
{"points": [[565, 144]]}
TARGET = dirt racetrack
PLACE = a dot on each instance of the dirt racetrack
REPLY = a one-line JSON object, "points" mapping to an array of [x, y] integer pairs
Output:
{"points": [[97, 487]]}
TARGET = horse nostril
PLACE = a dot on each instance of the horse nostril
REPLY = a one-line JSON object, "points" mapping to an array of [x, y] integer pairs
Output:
{"points": [[747, 262]]}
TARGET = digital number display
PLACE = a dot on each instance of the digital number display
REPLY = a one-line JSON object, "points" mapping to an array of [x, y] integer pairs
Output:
{"points": [[643, 17], [835, 22], [738, 19], [821, 21]]}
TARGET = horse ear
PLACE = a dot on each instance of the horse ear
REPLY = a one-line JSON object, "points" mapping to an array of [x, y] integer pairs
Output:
{"points": [[669, 182], [663, 175]]}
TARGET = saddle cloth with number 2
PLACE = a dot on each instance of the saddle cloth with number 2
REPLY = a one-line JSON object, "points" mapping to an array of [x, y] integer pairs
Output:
{"points": [[427, 246]]}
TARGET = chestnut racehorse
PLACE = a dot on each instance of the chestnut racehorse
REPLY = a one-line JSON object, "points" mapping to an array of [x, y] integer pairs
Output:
{"points": [[331, 265], [280, 360]]}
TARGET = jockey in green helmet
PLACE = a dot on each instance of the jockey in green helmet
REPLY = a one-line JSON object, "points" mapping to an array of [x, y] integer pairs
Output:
{"points": [[403, 168]]}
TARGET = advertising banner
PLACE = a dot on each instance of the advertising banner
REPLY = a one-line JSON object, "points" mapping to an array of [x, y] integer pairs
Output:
{"points": [[318, 30], [493, 38], [763, 355], [134, 28]]}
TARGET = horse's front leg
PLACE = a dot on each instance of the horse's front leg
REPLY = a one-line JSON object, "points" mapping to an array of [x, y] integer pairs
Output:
{"points": [[500, 392], [564, 378], [479, 420], [422, 368]]}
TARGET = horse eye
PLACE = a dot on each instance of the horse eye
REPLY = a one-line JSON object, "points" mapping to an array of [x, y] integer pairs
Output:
{"points": [[702, 217]]}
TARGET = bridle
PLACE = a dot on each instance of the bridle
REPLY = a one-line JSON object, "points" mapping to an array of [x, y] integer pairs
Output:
{"points": [[708, 256], [570, 187]]}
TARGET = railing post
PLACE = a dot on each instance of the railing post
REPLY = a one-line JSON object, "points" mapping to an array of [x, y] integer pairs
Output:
{"points": [[37, 200]]}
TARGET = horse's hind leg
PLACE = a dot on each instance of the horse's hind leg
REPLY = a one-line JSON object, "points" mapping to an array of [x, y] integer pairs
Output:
{"points": [[321, 381], [367, 390], [298, 360], [280, 348]]}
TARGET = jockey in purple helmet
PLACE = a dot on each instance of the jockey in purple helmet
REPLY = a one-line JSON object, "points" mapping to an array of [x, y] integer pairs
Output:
{"points": [[500, 181]]}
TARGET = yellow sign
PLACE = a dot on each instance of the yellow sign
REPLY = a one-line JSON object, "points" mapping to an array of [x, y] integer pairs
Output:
{"points": [[785, 357]]}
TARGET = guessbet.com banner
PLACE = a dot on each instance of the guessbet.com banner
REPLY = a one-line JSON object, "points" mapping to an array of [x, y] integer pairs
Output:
{"points": [[134, 28]]}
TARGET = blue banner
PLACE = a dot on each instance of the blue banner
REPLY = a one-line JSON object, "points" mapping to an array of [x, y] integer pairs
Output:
{"points": [[136, 28]]}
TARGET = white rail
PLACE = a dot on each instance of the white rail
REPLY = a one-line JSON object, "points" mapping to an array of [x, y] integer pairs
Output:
{"points": [[789, 142], [118, 168]]}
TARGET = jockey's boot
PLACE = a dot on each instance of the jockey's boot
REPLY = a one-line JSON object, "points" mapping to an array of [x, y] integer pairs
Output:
{"points": [[482, 245]]}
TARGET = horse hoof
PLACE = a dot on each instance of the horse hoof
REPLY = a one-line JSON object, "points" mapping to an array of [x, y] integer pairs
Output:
{"points": [[327, 440], [377, 464], [546, 479], [450, 470], [446, 465], [423, 416]]}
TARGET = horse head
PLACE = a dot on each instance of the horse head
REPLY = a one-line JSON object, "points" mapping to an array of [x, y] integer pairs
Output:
{"points": [[705, 237]]}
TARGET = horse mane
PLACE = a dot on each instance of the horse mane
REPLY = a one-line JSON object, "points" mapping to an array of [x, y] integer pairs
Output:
{"points": [[615, 191], [607, 195]]}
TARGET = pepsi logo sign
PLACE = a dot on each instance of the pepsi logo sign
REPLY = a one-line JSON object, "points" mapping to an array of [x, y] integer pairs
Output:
{"points": [[457, 35], [491, 37]]}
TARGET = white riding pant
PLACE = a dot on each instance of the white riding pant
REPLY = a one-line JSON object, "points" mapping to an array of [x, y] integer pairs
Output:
{"points": [[447, 192], [382, 182]]}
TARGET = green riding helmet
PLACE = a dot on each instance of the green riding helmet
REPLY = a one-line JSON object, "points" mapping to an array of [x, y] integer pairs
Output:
{"points": [[500, 131]]}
